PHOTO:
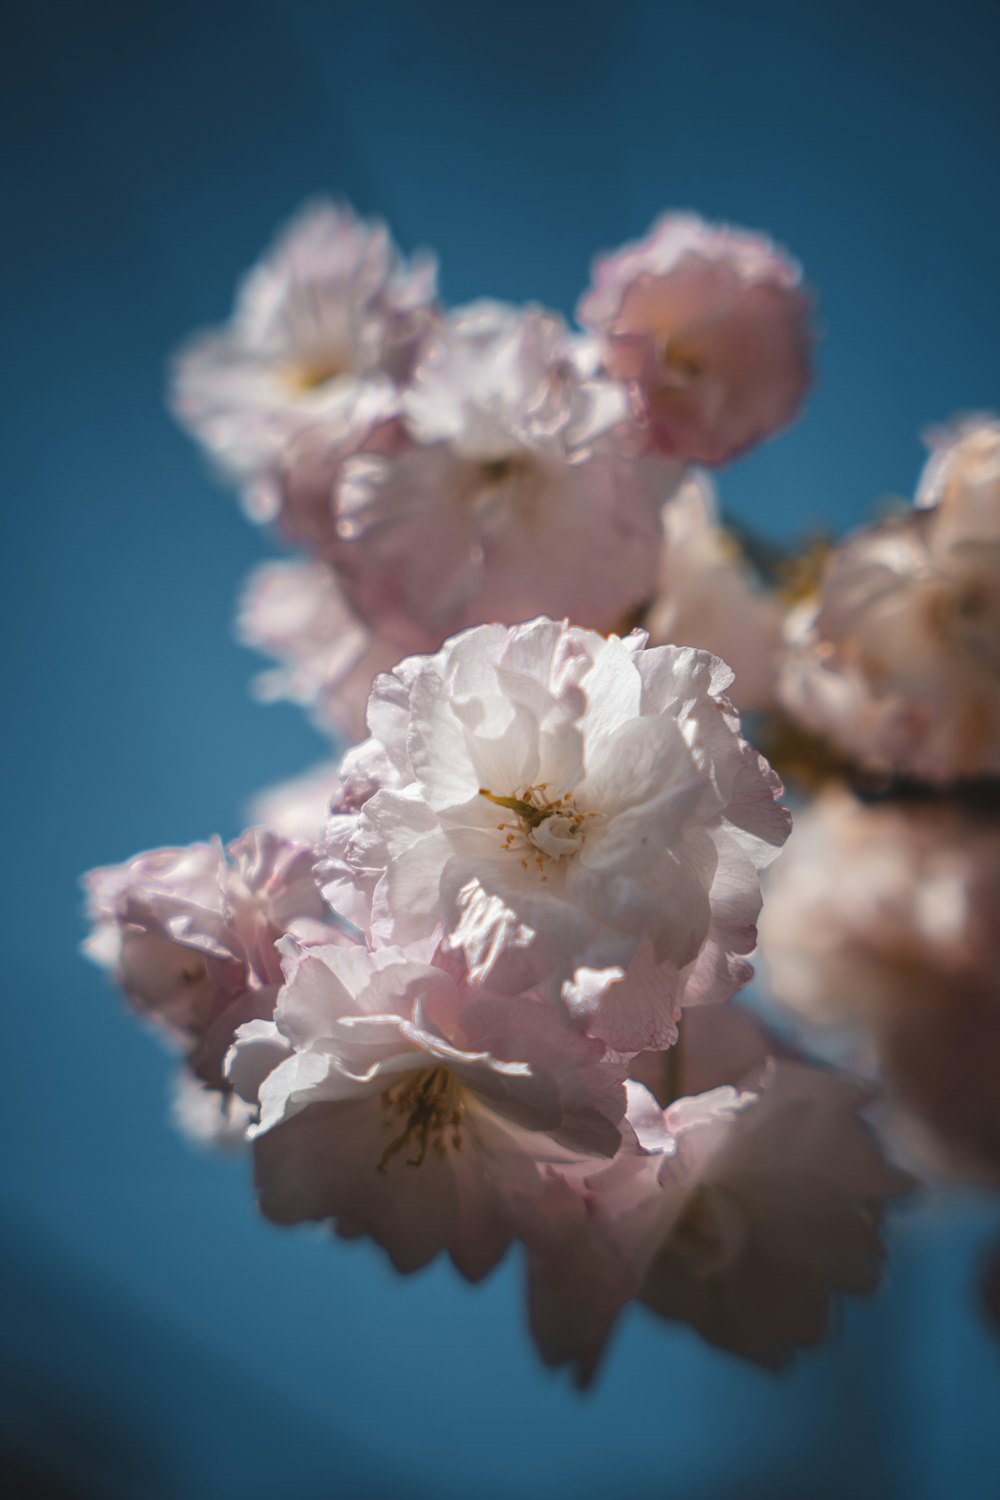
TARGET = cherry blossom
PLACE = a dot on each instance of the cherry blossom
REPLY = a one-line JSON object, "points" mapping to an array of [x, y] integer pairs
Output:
{"points": [[898, 659], [706, 596], [576, 812], [521, 488], [472, 985], [295, 611], [881, 918], [740, 1210], [189, 936], [402, 1105], [712, 326], [298, 809], [329, 311]]}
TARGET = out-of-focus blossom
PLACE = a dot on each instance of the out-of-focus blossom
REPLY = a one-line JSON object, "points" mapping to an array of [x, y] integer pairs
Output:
{"points": [[405, 1106], [744, 1210], [883, 917], [578, 813], [209, 1116], [707, 596], [298, 809], [521, 488], [189, 935], [962, 476], [898, 661], [297, 489], [296, 611], [330, 309], [712, 326]]}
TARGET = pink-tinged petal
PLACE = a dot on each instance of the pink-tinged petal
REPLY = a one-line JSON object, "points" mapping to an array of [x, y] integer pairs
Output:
{"points": [[257, 1049], [574, 1302], [518, 486], [327, 657], [880, 930], [712, 327], [190, 935], [640, 1007], [707, 596], [550, 800], [430, 1126], [298, 809], [330, 312], [208, 1117], [782, 1211], [896, 661]]}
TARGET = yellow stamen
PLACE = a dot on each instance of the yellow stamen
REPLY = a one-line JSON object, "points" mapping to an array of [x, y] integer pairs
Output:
{"points": [[533, 816], [432, 1103]]}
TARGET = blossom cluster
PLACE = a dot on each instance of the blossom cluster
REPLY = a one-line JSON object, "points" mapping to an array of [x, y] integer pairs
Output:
{"points": [[474, 981]]}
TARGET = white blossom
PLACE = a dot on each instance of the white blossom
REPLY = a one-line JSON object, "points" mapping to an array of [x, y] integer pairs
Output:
{"points": [[575, 812]]}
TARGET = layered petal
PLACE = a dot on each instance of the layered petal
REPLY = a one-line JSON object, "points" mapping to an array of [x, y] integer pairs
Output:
{"points": [[551, 800], [711, 325]]}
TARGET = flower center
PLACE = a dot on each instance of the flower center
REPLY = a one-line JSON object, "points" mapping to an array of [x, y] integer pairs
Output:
{"points": [[431, 1102], [311, 374], [499, 470], [502, 486], [542, 828], [679, 363]]}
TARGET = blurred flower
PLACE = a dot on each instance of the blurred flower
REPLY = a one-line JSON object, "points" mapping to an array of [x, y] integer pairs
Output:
{"points": [[578, 813], [329, 310], [295, 611], [520, 488], [883, 916], [962, 476], [898, 661], [209, 1116], [298, 809], [189, 935], [707, 596], [744, 1209], [297, 489], [410, 1108], [713, 326]]}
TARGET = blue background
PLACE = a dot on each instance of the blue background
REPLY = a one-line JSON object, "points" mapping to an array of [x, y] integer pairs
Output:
{"points": [[159, 1339]]}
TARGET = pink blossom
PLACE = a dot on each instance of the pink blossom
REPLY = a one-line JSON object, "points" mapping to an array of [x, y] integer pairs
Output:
{"points": [[189, 935], [882, 917], [298, 809], [707, 596], [521, 488], [295, 611], [405, 1106], [713, 327], [330, 312], [576, 813], [898, 659], [209, 1116], [740, 1211]]}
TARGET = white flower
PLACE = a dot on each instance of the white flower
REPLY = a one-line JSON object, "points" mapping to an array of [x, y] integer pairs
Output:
{"points": [[706, 596], [898, 661], [328, 311], [405, 1106], [521, 489], [575, 812]]}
